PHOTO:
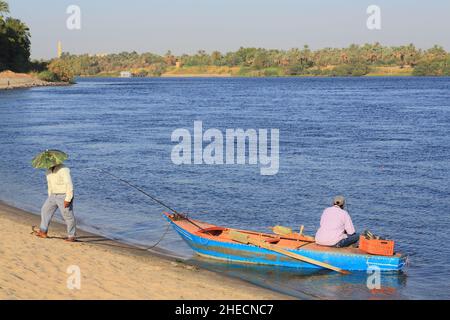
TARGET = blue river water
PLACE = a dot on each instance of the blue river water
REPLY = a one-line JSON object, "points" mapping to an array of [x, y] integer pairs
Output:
{"points": [[384, 143]]}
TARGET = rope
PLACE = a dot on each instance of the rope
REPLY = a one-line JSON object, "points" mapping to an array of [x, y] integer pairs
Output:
{"points": [[160, 239], [34, 232], [178, 215]]}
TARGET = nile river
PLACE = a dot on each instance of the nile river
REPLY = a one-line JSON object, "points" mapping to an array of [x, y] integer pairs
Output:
{"points": [[384, 143]]}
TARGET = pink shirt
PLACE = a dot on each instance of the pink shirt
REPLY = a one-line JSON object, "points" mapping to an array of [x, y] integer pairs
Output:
{"points": [[334, 224]]}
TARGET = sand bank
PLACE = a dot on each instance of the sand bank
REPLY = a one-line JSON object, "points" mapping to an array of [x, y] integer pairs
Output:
{"points": [[12, 80], [34, 268]]}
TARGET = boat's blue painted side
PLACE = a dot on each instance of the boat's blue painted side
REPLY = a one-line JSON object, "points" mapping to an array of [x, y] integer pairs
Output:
{"points": [[252, 254]]}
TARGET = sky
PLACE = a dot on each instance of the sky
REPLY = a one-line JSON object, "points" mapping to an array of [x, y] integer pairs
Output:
{"points": [[186, 26]]}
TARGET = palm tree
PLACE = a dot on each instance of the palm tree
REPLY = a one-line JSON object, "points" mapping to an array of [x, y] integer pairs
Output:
{"points": [[4, 7], [18, 45], [21, 29]]}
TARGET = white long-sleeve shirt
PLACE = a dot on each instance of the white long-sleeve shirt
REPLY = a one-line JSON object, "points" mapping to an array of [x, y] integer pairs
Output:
{"points": [[59, 181]]}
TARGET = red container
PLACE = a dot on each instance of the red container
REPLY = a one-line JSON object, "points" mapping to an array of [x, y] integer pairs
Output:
{"points": [[376, 247]]}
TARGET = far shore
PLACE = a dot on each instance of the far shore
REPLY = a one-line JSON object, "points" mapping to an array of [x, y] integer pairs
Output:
{"points": [[235, 72], [208, 75], [34, 268], [199, 75]]}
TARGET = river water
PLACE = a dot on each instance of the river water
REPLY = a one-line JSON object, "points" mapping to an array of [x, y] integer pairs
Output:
{"points": [[384, 143]]}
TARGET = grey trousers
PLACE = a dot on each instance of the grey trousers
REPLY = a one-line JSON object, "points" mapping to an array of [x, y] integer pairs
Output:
{"points": [[53, 202]]}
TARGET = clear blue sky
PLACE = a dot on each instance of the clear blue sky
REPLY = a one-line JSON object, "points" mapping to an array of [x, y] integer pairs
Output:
{"points": [[184, 26]]}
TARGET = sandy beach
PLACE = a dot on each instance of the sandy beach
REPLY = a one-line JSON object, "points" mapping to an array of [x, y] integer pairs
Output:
{"points": [[34, 268]]}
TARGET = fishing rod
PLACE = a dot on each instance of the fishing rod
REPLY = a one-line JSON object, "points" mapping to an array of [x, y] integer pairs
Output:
{"points": [[178, 214]]}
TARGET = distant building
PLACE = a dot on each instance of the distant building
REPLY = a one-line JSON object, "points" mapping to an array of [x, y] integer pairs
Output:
{"points": [[59, 49], [125, 74], [178, 64], [98, 55]]}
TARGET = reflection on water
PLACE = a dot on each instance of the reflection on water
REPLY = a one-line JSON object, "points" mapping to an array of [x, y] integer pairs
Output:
{"points": [[311, 283]]}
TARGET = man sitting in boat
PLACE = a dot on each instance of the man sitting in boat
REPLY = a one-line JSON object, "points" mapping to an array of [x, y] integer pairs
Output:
{"points": [[336, 227]]}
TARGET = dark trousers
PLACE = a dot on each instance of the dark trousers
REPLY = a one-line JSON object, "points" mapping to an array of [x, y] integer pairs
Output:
{"points": [[351, 239]]}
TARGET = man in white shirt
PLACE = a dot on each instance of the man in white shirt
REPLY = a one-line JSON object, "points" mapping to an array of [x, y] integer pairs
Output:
{"points": [[60, 195]]}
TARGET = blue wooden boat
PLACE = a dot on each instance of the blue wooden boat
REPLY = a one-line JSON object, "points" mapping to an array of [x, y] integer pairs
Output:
{"points": [[213, 241]]}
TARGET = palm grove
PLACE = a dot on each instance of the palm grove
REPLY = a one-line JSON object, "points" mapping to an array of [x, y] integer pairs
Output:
{"points": [[15, 46], [14, 42], [355, 60]]}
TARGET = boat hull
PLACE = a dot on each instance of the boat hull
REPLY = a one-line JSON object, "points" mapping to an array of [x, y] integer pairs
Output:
{"points": [[243, 253]]}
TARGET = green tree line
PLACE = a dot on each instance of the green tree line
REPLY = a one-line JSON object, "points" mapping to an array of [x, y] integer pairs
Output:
{"points": [[354, 60]]}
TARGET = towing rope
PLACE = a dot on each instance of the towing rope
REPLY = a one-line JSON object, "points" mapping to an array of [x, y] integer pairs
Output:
{"points": [[177, 215], [97, 241]]}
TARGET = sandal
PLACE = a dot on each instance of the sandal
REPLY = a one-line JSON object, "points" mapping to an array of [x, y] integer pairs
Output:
{"points": [[39, 233]]}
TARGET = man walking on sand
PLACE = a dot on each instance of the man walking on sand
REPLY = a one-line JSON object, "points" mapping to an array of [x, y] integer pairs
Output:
{"points": [[60, 193]]}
